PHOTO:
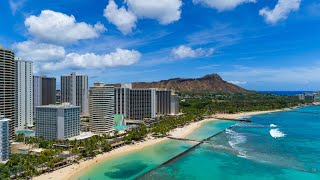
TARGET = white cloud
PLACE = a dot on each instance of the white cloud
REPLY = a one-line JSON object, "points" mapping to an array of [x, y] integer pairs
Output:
{"points": [[165, 11], [222, 5], [237, 82], [31, 51], [58, 28], [121, 57], [50, 57], [281, 10], [187, 52], [123, 19]]}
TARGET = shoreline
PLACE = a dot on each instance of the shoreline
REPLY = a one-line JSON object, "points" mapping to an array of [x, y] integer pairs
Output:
{"points": [[76, 170]]}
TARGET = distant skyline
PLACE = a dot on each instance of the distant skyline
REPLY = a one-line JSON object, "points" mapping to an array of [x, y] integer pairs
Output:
{"points": [[256, 44]]}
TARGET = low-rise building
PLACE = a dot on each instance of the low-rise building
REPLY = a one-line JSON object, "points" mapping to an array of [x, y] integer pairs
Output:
{"points": [[57, 121], [4, 139]]}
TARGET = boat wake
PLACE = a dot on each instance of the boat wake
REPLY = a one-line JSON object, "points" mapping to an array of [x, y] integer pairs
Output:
{"points": [[276, 133]]}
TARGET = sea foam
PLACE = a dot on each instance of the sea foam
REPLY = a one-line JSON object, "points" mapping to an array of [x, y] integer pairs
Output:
{"points": [[235, 139], [273, 125], [276, 133]]}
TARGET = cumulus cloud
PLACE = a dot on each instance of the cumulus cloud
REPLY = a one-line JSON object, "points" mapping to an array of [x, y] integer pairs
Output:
{"points": [[164, 11], [32, 51], [222, 5], [187, 52], [123, 19], [50, 57], [281, 10], [121, 57], [58, 28]]}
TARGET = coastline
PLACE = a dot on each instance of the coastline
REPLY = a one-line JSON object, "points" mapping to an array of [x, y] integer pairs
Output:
{"points": [[244, 114], [75, 170]]}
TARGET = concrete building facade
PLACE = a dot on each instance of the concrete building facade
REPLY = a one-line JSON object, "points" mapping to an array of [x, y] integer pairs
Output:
{"points": [[163, 101], [4, 139], [101, 100], [57, 121], [74, 90], [135, 104], [24, 94], [44, 91], [8, 88]]}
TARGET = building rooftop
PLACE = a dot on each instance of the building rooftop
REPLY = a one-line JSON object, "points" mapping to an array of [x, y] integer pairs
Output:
{"points": [[2, 118], [63, 105], [83, 135]]}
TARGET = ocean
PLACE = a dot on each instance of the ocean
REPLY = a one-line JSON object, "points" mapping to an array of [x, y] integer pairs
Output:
{"points": [[282, 145], [285, 93]]}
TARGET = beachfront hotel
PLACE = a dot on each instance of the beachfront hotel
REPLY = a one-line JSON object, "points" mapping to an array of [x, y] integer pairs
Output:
{"points": [[24, 94], [8, 88], [101, 107], [57, 122], [74, 90], [44, 91], [135, 104], [138, 104], [4, 139]]}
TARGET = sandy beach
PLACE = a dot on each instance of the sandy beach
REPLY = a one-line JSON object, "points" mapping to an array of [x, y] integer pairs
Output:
{"points": [[76, 169], [244, 114]]}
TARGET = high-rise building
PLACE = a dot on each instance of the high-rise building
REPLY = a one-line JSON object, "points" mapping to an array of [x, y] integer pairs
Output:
{"points": [[142, 104], [24, 94], [57, 121], [163, 101], [4, 139], [44, 91], [135, 104], [74, 89], [8, 88], [174, 104], [101, 100]]}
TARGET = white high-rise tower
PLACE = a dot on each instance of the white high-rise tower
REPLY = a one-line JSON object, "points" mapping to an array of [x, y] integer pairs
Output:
{"points": [[24, 94]]}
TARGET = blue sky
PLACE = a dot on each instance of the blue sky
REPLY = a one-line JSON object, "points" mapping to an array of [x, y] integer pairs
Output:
{"points": [[257, 44]]}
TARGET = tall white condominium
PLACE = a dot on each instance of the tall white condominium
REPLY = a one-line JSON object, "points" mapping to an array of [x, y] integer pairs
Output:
{"points": [[57, 121], [24, 94], [7, 88], [101, 100], [74, 89], [4, 139]]}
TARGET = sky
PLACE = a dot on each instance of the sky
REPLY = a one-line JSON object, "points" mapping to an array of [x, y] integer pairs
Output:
{"points": [[256, 44]]}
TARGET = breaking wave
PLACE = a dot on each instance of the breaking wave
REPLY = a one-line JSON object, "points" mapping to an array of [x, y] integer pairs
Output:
{"points": [[234, 140], [273, 125], [276, 133]]}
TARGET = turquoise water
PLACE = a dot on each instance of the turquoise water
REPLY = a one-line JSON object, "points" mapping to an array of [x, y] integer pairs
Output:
{"points": [[26, 132], [120, 128], [137, 163], [284, 145]]}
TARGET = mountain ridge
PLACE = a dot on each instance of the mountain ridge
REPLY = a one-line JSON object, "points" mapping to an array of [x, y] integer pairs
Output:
{"points": [[208, 83]]}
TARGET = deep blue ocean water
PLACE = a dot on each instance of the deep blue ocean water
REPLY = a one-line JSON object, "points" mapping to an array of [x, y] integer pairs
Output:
{"points": [[285, 93], [282, 145]]}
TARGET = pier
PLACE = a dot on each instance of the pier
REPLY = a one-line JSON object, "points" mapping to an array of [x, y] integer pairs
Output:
{"points": [[198, 143], [232, 119]]}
